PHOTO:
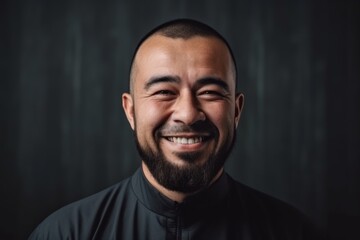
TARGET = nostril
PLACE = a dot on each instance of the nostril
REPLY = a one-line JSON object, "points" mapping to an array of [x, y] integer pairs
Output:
{"points": [[187, 110], [189, 117]]}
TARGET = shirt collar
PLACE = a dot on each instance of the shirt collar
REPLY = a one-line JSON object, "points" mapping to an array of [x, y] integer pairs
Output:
{"points": [[202, 201]]}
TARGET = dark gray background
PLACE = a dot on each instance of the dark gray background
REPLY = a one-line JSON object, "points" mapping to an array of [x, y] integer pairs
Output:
{"points": [[64, 65]]}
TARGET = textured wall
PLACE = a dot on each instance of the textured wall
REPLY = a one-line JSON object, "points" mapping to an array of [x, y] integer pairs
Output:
{"points": [[64, 136]]}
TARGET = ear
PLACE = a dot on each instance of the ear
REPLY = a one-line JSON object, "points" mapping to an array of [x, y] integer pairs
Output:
{"points": [[239, 103], [128, 106]]}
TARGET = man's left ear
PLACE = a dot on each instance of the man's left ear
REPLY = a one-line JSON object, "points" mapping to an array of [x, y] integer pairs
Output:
{"points": [[239, 103]]}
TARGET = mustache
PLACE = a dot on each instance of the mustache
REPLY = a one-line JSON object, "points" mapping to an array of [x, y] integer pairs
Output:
{"points": [[198, 127]]}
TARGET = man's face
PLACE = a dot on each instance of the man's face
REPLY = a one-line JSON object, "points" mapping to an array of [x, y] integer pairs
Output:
{"points": [[183, 109]]}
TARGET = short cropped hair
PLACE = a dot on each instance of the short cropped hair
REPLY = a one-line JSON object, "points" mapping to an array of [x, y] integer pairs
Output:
{"points": [[184, 29]]}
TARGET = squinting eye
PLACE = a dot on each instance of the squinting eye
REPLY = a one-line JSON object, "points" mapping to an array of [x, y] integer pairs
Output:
{"points": [[164, 92], [211, 93]]}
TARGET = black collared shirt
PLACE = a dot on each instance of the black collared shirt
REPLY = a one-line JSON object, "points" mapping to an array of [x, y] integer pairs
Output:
{"points": [[134, 209]]}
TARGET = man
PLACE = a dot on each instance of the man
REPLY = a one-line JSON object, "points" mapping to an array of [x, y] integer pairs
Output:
{"points": [[184, 111]]}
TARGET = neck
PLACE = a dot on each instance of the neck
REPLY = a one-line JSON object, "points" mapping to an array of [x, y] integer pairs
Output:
{"points": [[173, 195]]}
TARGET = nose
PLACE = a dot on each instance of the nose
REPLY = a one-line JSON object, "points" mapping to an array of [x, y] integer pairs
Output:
{"points": [[187, 110]]}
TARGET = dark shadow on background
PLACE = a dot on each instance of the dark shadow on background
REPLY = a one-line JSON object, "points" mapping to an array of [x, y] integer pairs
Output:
{"points": [[64, 66]]}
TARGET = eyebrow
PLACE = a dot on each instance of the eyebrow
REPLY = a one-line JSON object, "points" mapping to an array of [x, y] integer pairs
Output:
{"points": [[175, 79], [161, 79], [212, 81]]}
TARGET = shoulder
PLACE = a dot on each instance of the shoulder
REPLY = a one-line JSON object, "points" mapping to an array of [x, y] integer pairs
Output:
{"points": [[252, 198], [272, 215], [77, 220]]}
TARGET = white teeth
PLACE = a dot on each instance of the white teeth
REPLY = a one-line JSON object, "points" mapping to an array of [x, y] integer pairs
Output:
{"points": [[183, 140]]}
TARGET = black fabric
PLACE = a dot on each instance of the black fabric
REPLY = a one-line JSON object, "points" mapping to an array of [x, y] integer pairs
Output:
{"points": [[133, 209]]}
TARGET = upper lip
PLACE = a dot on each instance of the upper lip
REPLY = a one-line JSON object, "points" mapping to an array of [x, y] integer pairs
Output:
{"points": [[187, 135]]}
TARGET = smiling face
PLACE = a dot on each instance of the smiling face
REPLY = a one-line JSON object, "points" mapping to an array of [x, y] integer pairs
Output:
{"points": [[183, 109]]}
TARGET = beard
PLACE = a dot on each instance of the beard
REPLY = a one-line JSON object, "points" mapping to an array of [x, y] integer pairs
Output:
{"points": [[190, 177]]}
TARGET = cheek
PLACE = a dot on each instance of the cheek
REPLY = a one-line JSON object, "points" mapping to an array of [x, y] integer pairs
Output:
{"points": [[149, 116], [221, 115]]}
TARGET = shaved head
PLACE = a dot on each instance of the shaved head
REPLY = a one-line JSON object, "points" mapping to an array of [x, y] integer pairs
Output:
{"points": [[183, 29]]}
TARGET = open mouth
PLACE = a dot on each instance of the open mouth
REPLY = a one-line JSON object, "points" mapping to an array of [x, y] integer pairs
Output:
{"points": [[187, 140]]}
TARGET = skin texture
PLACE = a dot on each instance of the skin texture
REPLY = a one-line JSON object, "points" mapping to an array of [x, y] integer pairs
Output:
{"points": [[183, 89]]}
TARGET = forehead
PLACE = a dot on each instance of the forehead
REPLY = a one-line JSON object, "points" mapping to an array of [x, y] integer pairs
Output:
{"points": [[184, 57]]}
